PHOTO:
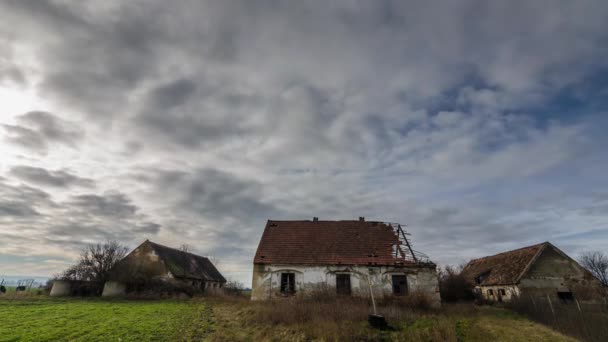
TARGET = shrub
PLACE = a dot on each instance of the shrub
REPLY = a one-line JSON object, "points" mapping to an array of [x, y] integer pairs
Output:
{"points": [[454, 286]]}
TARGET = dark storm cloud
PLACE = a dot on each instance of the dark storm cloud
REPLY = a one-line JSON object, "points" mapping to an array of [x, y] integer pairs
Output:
{"points": [[57, 178], [173, 94], [111, 204], [18, 202], [214, 194], [37, 130], [16, 209]]}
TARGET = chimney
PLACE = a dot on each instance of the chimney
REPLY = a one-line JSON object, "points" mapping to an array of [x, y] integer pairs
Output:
{"points": [[315, 219], [361, 219]]}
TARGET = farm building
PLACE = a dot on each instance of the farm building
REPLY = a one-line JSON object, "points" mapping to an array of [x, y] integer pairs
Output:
{"points": [[151, 263], [537, 270], [343, 257]]}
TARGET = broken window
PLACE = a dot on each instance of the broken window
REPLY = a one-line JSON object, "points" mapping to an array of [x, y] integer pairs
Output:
{"points": [[502, 292], [343, 284], [399, 285], [288, 283], [490, 292]]}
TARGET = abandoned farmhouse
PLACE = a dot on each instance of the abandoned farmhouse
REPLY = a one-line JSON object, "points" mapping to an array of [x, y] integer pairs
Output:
{"points": [[538, 270], [154, 263], [344, 257]]}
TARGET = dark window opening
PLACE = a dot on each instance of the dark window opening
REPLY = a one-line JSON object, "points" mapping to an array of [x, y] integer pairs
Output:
{"points": [[399, 285], [343, 284], [502, 292], [565, 296], [490, 292], [480, 278], [288, 283]]}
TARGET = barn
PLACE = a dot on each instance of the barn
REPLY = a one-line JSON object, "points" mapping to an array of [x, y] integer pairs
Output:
{"points": [[539, 270], [350, 258], [152, 263]]}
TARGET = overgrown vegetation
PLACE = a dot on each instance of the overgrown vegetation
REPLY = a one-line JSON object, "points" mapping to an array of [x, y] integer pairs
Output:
{"points": [[453, 286], [587, 321]]}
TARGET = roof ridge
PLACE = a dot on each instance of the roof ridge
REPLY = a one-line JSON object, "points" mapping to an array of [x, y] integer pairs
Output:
{"points": [[178, 250], [510, 251]]}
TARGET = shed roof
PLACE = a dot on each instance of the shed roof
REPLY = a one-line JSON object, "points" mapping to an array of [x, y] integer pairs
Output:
{"points": [[187, 265], [329, 243], [503, 268]]}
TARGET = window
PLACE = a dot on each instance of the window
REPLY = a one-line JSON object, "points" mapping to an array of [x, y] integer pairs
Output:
{"points": [[288, 283], [490, 292], [343, 284], [502, 292], [399, 285], [565, 296]]}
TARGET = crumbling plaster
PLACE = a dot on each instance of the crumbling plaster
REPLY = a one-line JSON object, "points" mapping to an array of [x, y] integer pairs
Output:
{"points": [[267, 280]]}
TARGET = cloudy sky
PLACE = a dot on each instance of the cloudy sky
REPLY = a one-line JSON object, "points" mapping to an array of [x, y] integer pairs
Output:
{"points": [[481, 125]]}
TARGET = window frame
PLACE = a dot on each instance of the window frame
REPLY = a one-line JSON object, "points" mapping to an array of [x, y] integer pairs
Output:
{"points": [[288, 283], [407, 285]]}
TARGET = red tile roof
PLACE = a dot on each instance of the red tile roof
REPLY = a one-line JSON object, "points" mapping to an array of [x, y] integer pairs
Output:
{"points": [[503, 268], [328, 243]]}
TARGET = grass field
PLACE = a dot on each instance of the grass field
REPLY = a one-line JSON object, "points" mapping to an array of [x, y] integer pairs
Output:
{"points": [[39, 318], [97, 320]]}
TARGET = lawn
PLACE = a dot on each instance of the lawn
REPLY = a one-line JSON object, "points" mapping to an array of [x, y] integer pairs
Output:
{"points": [[97, 320], [39, 318]]}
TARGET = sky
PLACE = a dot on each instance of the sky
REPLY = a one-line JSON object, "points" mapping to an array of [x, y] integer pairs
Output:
{"points": [[479, 125]]}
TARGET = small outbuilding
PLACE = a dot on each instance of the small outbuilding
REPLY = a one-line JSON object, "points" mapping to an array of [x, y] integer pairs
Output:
{"points": [[342, 257], [152, 265], [538, 270]]}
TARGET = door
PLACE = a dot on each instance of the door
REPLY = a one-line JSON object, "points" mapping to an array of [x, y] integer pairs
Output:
{"points": [[343, 284], [399, 285]]}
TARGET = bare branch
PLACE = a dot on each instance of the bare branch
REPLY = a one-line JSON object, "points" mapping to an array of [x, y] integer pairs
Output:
{"points": [[597, 263]]}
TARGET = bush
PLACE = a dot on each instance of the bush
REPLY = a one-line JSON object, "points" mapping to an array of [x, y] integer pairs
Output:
{"points": [[454, 286]]}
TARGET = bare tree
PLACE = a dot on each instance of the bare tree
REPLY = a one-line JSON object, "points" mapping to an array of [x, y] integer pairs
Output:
{"points": [[95, 263], [233, 287], [597, 263]]}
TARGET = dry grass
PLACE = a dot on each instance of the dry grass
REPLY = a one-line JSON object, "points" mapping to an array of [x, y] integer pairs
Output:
{"points": [[586, 321], [345, 319]]}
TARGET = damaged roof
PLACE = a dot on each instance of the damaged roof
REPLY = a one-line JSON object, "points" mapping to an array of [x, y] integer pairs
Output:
{"points": [[503, 268], [329, 243], [187, 265]]}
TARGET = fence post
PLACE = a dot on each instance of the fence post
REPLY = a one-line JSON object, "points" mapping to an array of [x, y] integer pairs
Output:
{"points": [[578, 305], [550, 305]]}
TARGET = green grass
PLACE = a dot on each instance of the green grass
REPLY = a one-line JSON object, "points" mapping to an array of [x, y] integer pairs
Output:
{"points": [[98, 320]]}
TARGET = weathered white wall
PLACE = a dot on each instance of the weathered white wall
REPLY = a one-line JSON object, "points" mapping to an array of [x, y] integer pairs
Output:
{"points": [[114, 289], [267, 280], [61, 288], [511, 291]]}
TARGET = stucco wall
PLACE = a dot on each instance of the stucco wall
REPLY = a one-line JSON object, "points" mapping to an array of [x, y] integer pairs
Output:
{"points": [[114, 289], [141, 263], [511, 291], [61, 288], [267, 279], [553, 272]]}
